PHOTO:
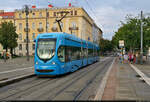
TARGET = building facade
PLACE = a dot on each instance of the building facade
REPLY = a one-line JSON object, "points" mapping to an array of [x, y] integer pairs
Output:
{"points": [[43, 20]]}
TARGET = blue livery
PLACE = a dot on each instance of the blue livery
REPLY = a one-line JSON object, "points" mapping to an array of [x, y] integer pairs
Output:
{"points": [[59, 53]]}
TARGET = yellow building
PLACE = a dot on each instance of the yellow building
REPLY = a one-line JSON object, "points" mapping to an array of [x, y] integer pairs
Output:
{"points": [[42, 20]]}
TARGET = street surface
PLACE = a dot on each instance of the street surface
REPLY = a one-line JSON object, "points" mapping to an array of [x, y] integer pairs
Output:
{"points": [[80, 85], [123, 82], [15, 67]]}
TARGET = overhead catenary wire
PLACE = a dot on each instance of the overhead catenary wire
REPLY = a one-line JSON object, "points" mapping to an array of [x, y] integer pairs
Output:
{"points": [[92, 11]]}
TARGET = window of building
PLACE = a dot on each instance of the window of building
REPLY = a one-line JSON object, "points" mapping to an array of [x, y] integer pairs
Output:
{"points": [[54, 14], [33, 25], [47, 25], [33, 36], [20, 26], [20, 46], [40, 25], [40, 14], [33, 15], [61, 24], [20, 16], [33, 46], [20, 36], [71, 12], [47, 14], [54, 25], [61, 14], [73, 24], [75, 13]]}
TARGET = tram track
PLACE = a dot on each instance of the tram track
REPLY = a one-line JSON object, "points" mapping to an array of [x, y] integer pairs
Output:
{"points": [[80, 77], [47, 90], [45, 84]]}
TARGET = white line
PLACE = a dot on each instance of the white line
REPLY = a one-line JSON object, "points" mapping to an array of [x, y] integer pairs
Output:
{"points": [[103, 84], [105, 59], [143, 76], [15, 70]]}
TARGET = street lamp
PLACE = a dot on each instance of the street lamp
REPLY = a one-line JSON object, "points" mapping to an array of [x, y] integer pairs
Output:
{"points": [[27, 30], [141, 53]]}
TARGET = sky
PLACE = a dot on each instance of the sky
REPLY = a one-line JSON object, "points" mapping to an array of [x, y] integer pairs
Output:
{"points": [[107, 14]]}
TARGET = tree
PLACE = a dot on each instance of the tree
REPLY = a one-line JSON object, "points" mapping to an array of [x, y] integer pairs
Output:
{"points": [[105, 45], [8, 36], [130, 33]]}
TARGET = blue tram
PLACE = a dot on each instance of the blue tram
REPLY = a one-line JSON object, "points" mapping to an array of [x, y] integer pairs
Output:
{"points": [[60, 53]]}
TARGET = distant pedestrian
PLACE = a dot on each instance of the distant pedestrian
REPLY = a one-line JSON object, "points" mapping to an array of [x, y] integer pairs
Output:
{"points": [[129, 57], [134, 58], [125, 58], [4, 56]]}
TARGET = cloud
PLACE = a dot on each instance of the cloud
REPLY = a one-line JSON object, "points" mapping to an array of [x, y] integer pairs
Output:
{"points": [[107, 13]]}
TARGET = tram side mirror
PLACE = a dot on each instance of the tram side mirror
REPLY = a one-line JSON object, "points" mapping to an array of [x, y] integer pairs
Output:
{"points": [[34, 40]]}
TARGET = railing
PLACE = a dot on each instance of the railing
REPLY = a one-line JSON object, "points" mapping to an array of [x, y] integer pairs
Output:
{"points": [[40, 29], [54, 29], [25, 29], [73, 28]]}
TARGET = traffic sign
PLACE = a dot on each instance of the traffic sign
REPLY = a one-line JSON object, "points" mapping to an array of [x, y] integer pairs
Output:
{"points": [[121, 43]]}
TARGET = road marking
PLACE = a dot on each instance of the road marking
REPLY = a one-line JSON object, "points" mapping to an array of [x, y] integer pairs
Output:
{"points": [[143, 76], [15, 70], [105, 59], [103, 84]]}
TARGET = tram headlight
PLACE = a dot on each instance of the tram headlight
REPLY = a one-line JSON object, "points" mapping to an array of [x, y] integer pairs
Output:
{"points": [[53, 63], [36, 63]]}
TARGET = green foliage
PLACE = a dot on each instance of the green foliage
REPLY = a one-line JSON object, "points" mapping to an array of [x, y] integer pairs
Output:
{"points": [[8, 35], [130, 32], [105, 45]]}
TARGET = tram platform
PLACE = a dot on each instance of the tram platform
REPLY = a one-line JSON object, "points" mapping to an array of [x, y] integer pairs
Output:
{"points": [[128, 82]]}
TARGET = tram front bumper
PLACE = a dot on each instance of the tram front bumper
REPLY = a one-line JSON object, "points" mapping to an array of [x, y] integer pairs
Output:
{"points": [[46, 70]]}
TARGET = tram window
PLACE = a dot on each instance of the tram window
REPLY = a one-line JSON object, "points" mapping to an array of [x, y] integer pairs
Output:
{"points": [[84, 53], [90, 52], [61, 53], [68, 53]]}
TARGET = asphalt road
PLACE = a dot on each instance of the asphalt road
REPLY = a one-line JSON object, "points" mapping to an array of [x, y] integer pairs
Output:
{"points": [[80, 85]]}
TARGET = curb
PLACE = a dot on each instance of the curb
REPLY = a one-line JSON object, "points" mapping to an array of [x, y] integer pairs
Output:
{"points": [[16, 79], [143, 76], [103, 84]]}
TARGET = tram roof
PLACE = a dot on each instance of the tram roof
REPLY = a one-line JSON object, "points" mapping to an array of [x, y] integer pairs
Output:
{"points": [[65, 35]]}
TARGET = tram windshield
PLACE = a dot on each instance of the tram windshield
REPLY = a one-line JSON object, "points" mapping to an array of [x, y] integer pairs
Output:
{"points": [[46, 48]]}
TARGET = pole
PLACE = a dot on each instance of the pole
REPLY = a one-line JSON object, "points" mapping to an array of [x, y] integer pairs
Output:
{"points": [[27, 29], [46, 21], [141, 38]]}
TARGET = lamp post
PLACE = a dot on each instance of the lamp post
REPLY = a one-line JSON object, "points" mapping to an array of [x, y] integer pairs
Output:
{"points": [[27, 31], [141, 53]]}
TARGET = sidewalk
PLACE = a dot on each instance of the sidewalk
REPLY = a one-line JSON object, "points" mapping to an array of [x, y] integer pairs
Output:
{"points": [[16, 68], [123, 83]]}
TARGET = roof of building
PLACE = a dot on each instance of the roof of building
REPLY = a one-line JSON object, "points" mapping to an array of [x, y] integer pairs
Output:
{"points": [[7, 14]]}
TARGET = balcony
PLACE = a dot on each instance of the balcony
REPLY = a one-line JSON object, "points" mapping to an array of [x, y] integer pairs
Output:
{"points": [[25, 29], [26, 40], [54, 29], [40, 29], [73, 28]]}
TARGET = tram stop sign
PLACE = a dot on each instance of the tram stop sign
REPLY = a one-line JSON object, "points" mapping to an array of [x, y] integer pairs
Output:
{"points": [[121, 43]]}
